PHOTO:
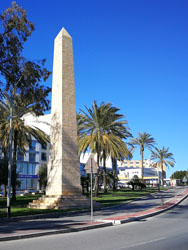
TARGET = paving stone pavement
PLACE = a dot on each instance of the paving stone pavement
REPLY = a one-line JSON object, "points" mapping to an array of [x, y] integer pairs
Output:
{"points": [[73, 222]]}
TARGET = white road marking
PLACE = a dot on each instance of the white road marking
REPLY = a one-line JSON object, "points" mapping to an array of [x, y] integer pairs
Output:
{"points": [[141, 243]]}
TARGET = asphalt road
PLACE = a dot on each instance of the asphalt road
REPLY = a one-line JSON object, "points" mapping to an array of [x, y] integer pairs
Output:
{"points": [[168, 231]]}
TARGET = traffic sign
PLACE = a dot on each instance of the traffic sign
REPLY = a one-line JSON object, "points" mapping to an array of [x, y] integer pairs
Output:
{"points": [[91, 165], [184, 179]]}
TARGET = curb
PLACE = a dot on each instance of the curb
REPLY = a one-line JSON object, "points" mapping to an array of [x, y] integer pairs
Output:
{"points": [[41, 216], [59, 231], [147, 215]]}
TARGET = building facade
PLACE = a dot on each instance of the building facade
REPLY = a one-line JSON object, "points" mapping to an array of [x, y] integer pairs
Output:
{"points": [[28, 165], [151, 174]]}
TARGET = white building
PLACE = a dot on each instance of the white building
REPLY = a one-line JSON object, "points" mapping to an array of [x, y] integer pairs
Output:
{"points": [[127, 170]]}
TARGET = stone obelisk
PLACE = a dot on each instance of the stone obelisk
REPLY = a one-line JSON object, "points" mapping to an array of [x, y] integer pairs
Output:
{"points": [[63, 165], [63, 187]]}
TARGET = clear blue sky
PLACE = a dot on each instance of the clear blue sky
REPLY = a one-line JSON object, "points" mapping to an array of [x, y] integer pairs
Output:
{"points": [[132, 53]]}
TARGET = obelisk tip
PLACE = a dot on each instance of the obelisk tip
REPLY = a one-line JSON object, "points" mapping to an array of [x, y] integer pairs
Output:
{"points": [[64, 32]]}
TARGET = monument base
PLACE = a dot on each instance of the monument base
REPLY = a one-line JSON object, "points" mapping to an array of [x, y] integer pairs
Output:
{"points": [[61, 202]]}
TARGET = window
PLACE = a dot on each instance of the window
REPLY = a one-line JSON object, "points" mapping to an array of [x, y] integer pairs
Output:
{"points": [[44, 146], [31, 168], [31, 156], [20, 156], [43, 157], [23, 183], [19, 168], [24, 168], [32, 146]]}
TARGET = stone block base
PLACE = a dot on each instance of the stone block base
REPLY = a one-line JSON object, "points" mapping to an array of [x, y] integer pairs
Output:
{"points": [[61, 202]]}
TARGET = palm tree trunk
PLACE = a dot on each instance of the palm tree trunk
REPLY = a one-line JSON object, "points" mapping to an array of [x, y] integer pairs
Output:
{"points": [[104, 171], [6, 174], [97, 183], [97, 178], [142, 164], [4, 190], [114, 174], [162, 182], [158, 178]]}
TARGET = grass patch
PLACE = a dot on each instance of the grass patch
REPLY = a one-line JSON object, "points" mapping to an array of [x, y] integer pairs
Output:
{"points": [[19, 207], [21, 201], [121, 196]]}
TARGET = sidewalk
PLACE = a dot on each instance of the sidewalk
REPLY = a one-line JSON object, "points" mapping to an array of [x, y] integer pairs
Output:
{"points": [[74, 222]]}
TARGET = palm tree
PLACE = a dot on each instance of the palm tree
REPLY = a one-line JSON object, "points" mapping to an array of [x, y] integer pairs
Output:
{"points": [[22, 133], [163, 157], [101, 130], [144, 140]]}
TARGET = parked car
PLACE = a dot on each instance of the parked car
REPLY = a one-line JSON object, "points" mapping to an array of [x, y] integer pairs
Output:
{"points": [[122, 185]]}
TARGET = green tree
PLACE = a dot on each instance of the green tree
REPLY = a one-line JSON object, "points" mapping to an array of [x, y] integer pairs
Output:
{"points": [[22, 133], [17, 72], [135, 182], [144, 140], [102, 130], [112, 180], [20, 77], [114, 174], [179, 175], [163, 157]]}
